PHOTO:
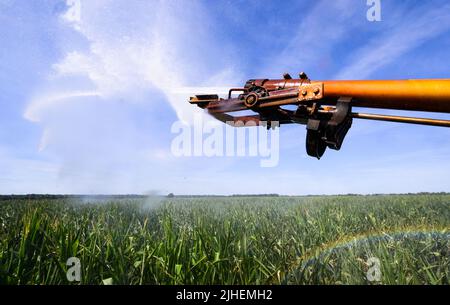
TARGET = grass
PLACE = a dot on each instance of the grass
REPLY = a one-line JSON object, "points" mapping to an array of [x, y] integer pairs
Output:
{"points": [[234, 240]]}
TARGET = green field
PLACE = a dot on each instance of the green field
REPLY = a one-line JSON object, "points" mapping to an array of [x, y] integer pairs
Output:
{"points": [[227, 240]]}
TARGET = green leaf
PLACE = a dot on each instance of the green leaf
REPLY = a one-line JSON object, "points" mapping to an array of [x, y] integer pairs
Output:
{"points": [[178, 269]]}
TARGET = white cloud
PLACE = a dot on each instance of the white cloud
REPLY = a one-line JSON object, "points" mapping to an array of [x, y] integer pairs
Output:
{"points": [[140, 52], [406, 34], [161, 45]]}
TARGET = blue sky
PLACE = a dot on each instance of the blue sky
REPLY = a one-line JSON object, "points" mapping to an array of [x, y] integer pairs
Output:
{"points": [[87, 105]]}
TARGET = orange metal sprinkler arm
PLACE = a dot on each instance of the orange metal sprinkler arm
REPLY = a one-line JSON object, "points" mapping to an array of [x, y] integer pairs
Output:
{"points": [[325, 106], [415, 95]]}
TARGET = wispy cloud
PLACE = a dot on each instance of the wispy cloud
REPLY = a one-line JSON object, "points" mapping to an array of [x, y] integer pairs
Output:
{"points": [[313, 39], [405, 34]]}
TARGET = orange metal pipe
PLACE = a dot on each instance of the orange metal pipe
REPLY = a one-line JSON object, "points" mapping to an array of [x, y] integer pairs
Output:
{"points": [[417, 95]]}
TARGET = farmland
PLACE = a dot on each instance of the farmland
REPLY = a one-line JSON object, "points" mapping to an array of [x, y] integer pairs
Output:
{"points": [[227, 240]]}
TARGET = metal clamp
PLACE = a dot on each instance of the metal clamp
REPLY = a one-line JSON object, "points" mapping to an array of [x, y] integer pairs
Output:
{"points": [[310, 92]]}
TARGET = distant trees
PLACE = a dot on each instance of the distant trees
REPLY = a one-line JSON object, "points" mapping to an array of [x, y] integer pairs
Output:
{"points": [[255, 195]]}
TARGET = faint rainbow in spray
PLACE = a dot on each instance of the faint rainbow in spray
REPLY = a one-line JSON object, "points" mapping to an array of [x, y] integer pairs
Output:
{"points": [[350, 241]]}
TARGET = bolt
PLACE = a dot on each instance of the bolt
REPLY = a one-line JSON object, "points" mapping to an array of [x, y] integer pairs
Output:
{"points": [[303, 75], [304, 92], [316, 91], [250, 100]]}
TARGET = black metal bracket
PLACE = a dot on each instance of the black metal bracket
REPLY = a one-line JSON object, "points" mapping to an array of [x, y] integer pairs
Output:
{"points": [[323, 132]]}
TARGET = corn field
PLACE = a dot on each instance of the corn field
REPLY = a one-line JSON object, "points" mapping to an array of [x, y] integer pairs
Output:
{"points": [[228, 240]]}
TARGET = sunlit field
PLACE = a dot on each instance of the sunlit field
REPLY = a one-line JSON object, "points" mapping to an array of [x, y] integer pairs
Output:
{"points": [[227, 240]]}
